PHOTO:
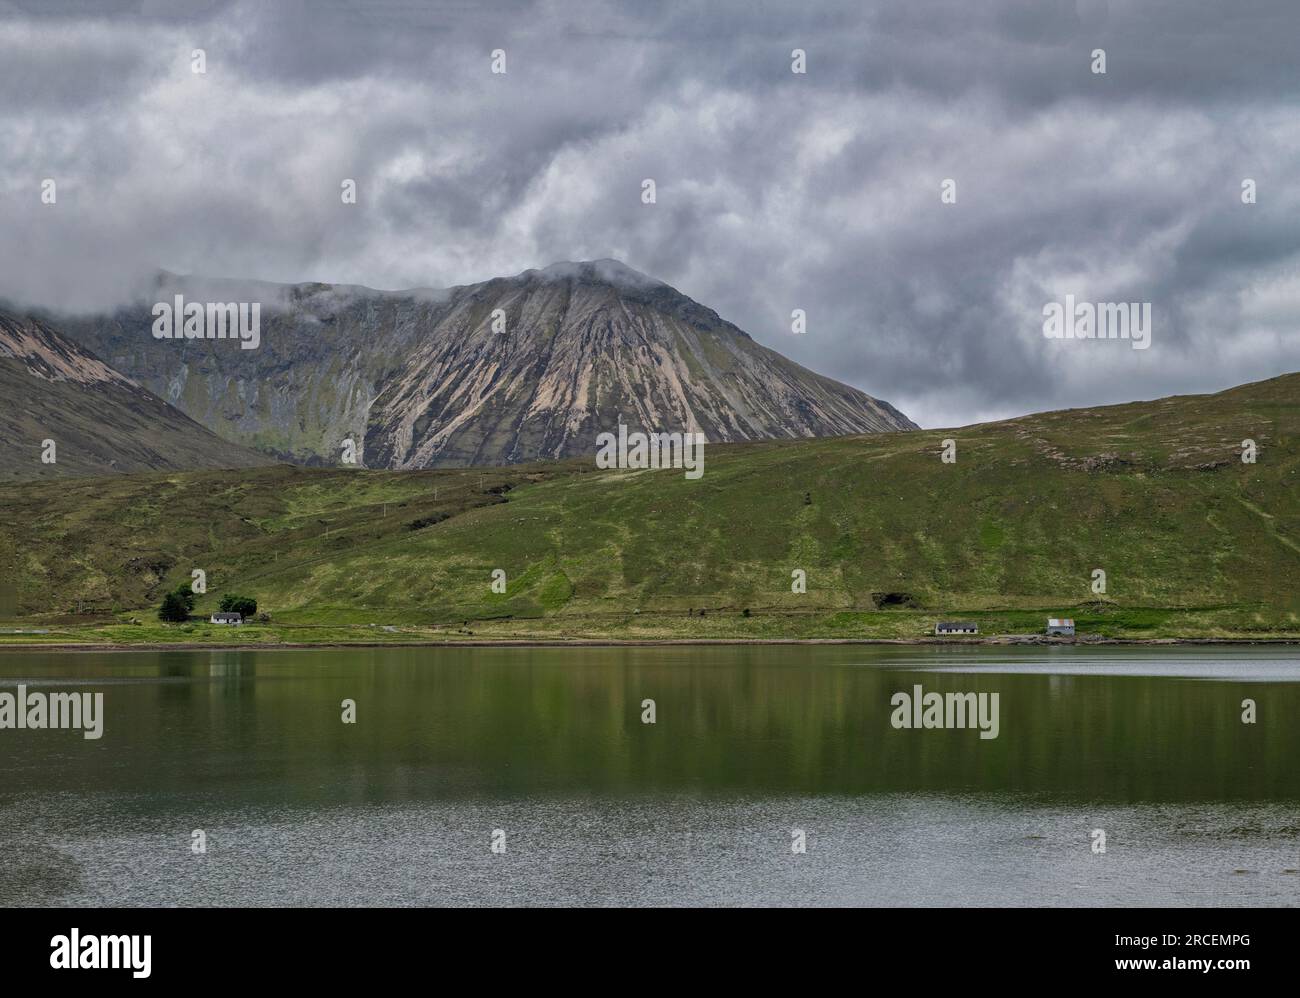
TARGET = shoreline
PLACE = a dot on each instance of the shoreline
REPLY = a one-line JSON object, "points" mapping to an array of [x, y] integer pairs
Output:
{"points": [[1008, 640]]}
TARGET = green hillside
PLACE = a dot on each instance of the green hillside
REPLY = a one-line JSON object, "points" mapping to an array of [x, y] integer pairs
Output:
{"points": [[1193, 541]]}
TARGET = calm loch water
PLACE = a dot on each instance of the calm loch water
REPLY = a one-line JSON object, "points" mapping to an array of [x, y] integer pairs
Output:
{"points": [[597, 808]]}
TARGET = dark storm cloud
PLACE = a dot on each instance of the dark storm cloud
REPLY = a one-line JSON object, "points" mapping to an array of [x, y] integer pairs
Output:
{"points": [[775, 191]]}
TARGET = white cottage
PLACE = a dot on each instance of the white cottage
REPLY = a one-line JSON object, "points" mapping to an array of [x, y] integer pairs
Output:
{"points": [[956, 627]]}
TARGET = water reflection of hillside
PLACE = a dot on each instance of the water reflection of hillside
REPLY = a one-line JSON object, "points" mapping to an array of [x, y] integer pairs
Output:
{"points": [[731, 720]]}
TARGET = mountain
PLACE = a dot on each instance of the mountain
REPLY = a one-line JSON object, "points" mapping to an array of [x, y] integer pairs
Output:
{"points": [[1194, 541], [514, 369], [99, 420]]}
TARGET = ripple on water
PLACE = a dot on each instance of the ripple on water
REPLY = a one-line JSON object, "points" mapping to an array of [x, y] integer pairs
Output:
{"points": [[886, 850]]}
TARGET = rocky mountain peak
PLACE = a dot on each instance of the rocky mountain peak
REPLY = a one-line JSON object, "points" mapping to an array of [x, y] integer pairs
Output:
{"points": [[512, 369]]}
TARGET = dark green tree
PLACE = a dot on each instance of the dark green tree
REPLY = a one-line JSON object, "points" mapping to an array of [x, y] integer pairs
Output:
{"points": [[186, 595], [173, 609], [245, 606]]}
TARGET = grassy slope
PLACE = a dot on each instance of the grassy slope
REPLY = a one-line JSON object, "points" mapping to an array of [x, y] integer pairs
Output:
{"points": [[1193, 541]]}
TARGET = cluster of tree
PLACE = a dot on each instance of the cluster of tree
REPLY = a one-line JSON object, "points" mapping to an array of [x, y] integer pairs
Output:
{"points": [[245, 606], [179, 603]]}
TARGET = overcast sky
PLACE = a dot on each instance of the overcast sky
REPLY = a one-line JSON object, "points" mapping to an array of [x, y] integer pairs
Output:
{"points": [[775, 190]]}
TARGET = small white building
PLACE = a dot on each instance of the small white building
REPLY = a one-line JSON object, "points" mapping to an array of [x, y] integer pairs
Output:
{"points": [[226, 618], [956, 627], [1060, 626]]}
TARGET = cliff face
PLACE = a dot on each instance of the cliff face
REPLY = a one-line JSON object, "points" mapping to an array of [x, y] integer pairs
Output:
{"points": [[513, 369]]}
